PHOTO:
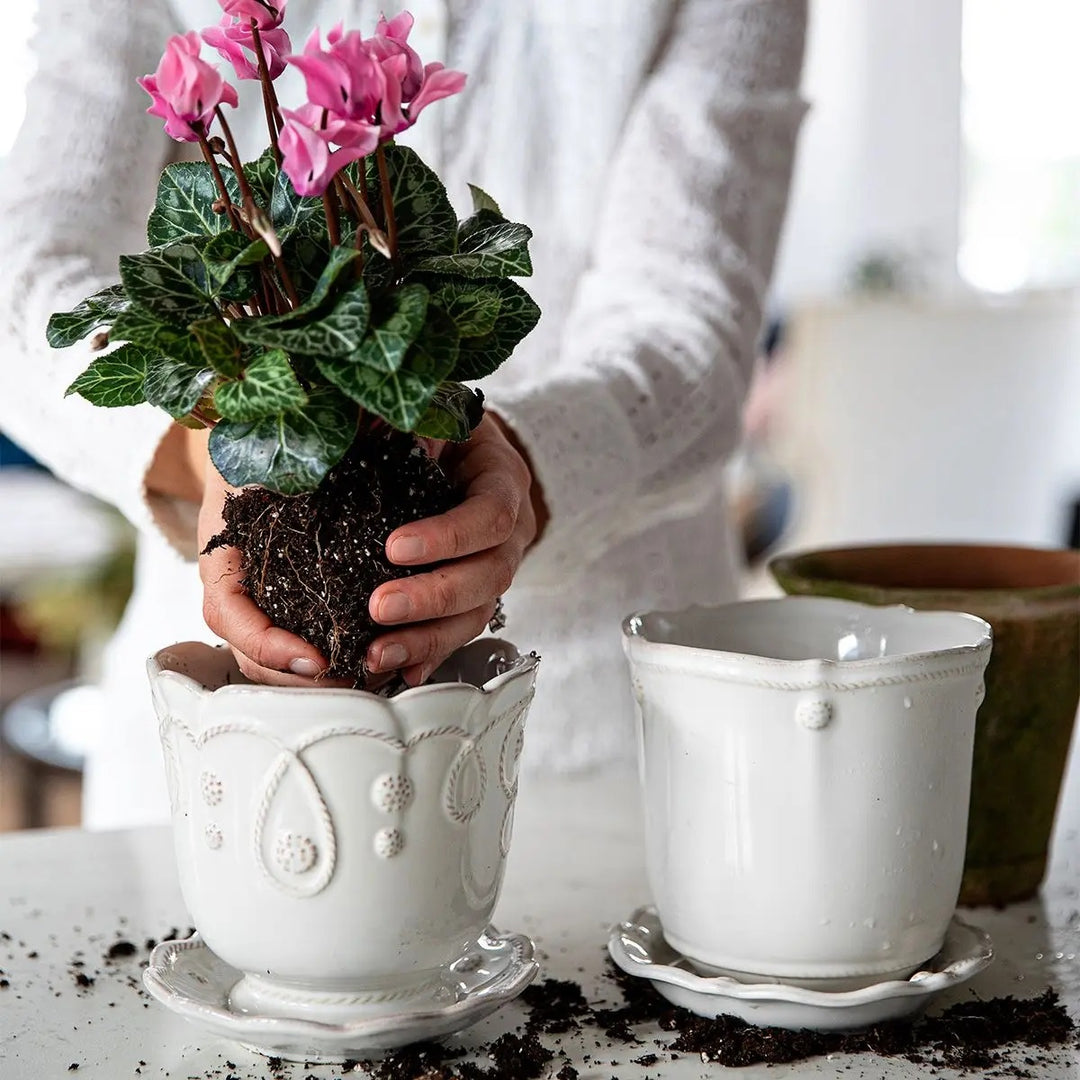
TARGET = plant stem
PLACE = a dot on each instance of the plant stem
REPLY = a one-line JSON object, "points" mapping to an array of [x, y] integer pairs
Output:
{"points": [[270, 103], [346, 199], [388, 202], [234, 219], [329, 202], [250, 207], [362, 208], [202, 417]]}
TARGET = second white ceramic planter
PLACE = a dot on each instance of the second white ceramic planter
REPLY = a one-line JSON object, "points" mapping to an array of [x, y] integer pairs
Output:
{"points": [[339, 848], [806, 767]]}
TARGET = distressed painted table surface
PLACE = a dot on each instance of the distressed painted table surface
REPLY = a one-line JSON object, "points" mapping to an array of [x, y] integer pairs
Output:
{"points": [[575, 868]]}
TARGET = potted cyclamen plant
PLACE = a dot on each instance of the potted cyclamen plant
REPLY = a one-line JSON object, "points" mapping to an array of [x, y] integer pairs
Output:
{"points": [[318, 308], [321, 309]]}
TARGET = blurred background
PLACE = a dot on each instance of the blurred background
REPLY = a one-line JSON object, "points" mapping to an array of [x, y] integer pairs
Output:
{"points": [[919, 376]]}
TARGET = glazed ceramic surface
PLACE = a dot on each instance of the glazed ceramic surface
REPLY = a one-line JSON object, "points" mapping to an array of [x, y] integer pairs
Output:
{"points": [[639, 948], [1031, 598], [337, 847], [806, 766], [189, 979]]}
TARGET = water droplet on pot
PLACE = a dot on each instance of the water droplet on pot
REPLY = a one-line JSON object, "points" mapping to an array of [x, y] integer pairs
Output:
{"points": [[1038, 956], [870, 923], [907, 703], [937, 849]]}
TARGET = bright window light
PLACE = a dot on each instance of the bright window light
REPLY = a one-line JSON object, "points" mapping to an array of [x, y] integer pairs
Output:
{"points": [[1020, 226]]}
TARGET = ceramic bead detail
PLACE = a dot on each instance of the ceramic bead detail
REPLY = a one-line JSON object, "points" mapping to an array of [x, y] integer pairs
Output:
{"points": [[214, 837], [389, 842], [294, 853], [814, 713], [213, 790], [392, 792]]}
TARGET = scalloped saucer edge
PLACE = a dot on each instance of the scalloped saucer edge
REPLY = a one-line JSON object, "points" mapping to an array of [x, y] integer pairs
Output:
{"points": [[638, 947], [193, 982]]}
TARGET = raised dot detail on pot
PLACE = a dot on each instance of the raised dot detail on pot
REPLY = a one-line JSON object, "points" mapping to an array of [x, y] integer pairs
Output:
{"points": [[213, 790], [388, 843], [392, 792], [294, 853], [214, 837], [814, 713]]}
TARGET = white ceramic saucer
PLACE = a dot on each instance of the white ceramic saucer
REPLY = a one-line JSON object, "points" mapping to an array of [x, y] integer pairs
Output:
{"points": [[638, 947], [193, 982]]}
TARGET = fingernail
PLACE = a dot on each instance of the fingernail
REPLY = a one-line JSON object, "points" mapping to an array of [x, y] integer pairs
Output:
{"points": [[407, 549], [394, 607], [391, 656], [303, 666]]}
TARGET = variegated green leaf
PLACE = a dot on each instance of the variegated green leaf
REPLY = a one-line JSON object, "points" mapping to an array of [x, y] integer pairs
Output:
{"points": [[518, 314], [488, 247], [291, 451], [481, 200], [218, 345], [453, 413], [144, 327], [185, 201], [288, 210], [261, 174], [267, 385], [159, 280], [67, 327], [400, 397], [426, 221], [114, 379], [473, 306], [337, 333], [397, 322], [174, 385]]}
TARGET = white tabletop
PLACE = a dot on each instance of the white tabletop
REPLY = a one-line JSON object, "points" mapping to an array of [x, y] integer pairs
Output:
{"points": [[575, 868]]}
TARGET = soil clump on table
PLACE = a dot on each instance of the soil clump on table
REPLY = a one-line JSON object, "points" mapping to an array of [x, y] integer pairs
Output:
{"points": [[312, 561]]}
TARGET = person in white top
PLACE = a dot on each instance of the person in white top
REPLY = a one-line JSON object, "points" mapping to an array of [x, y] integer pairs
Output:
{"points": [[648, 143]]}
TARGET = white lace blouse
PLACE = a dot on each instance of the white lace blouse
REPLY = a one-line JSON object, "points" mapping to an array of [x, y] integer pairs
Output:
{"points": [[648, 143]]}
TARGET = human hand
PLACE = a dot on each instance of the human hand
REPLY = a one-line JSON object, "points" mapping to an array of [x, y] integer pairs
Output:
{"points": [[264, 652], [479, 544]]}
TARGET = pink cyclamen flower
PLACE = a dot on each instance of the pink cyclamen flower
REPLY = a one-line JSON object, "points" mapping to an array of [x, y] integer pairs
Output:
{"points": [[306, 157], [235, 40], [391, 39], [267, 15], [186, 89], [344, 78], [439, 82]]}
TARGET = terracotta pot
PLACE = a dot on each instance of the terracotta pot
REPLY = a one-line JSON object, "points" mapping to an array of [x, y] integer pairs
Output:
{"points": [[1031, 598]]}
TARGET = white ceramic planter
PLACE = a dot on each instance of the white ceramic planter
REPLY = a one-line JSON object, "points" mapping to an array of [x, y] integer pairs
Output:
{"points": [[337, 847], [806, 765]]}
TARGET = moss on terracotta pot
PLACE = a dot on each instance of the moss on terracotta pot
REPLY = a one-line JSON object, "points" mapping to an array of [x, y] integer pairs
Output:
{"points": [[1031, 598]]}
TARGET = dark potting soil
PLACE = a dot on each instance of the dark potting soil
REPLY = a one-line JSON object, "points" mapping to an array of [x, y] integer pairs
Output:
{"points": [[311, 562]]}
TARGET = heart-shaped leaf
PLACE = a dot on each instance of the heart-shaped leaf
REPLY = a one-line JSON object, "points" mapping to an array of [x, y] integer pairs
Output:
{"points": [[218, 345], [337, 333], [488, 247], [291, 451], [159, 280], [518, 314], [454, 412], [185, 201], [398, 321], [267, 385], [174, 385], [473, 306], [400, 397], [114, 379], [144, 327], [261, 174], [426, 221], [288, 210], [67, 327]]}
